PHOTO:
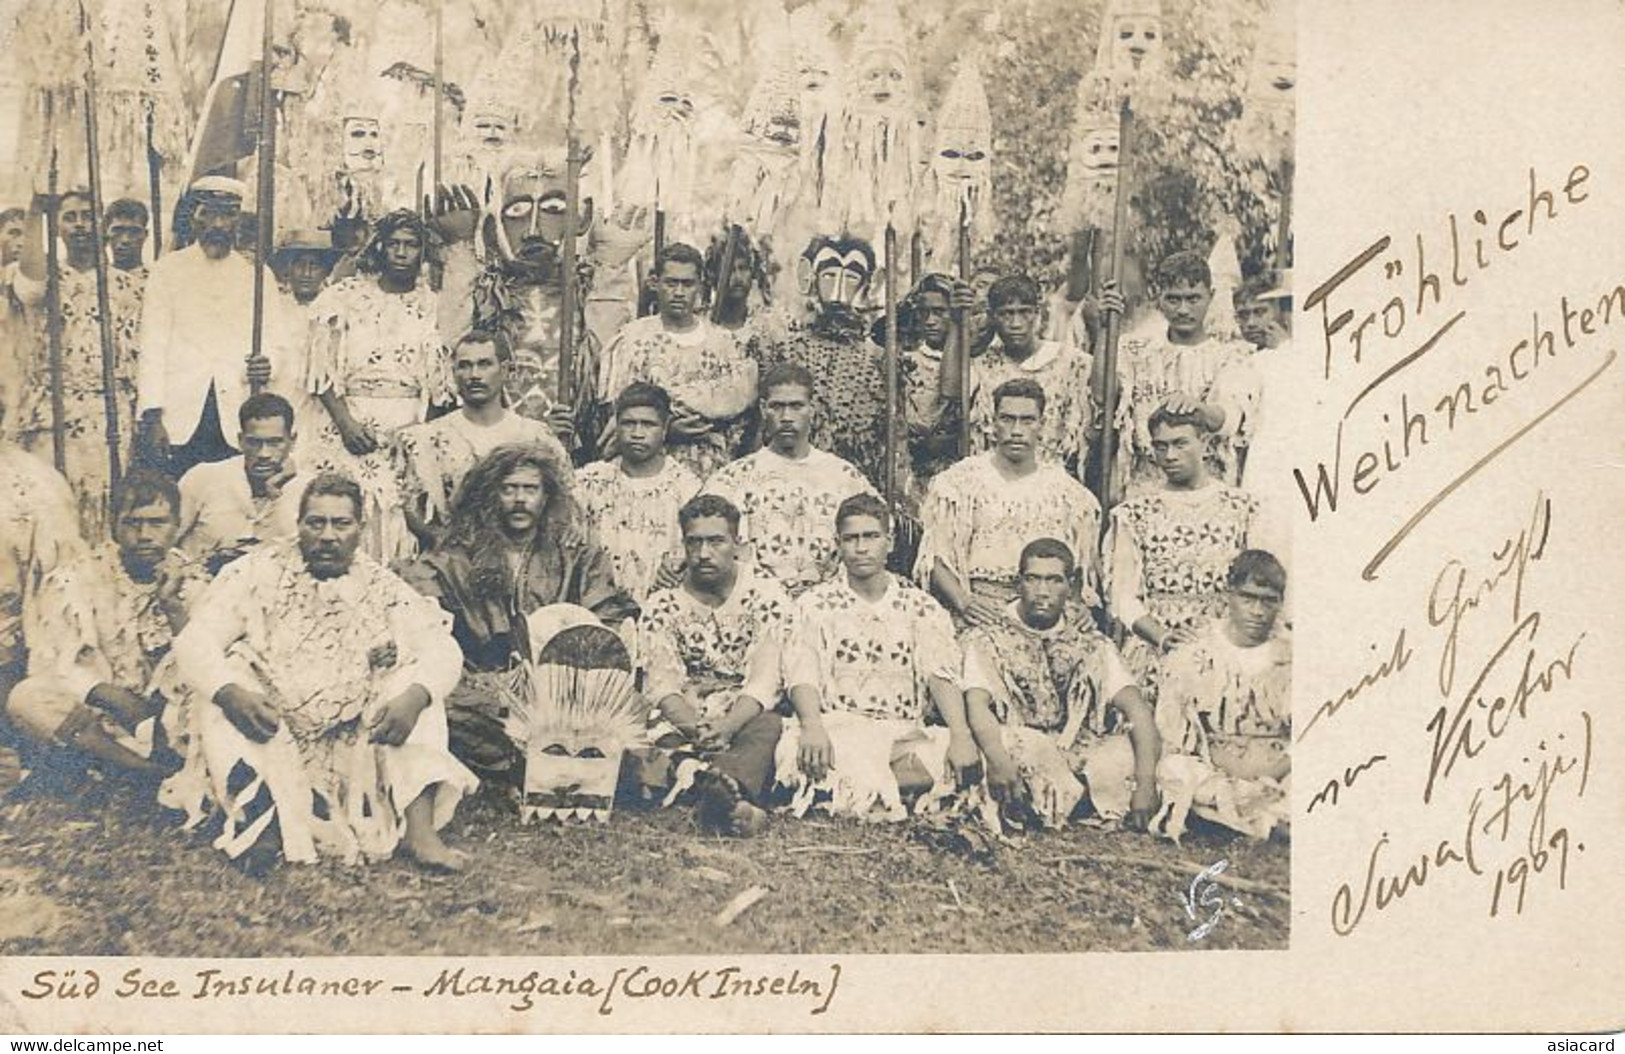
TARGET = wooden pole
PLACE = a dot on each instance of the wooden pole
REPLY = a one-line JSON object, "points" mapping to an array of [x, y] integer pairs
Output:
{"points": [[892, 407], [439, 96], [103, 299], [916, 259], [53, 311], [155, 185], [573, 160], [646, 303], [730, 253], [1114, 321], [265, 192], [1283, 227], [962, 334]]}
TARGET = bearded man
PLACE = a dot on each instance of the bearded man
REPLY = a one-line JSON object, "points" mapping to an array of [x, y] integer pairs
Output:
{"points": [[514, 543]]}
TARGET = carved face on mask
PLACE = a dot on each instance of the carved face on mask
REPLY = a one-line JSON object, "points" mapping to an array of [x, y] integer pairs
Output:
{"points": [[363, 145], [882, 84], [1136, 43], [584, 713], [529, 227], [841, 272], [492, 129], [570, 780], [1097, 158]]}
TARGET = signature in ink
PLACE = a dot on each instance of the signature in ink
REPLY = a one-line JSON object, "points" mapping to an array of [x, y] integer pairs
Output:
{"points": [[1205, 892]]}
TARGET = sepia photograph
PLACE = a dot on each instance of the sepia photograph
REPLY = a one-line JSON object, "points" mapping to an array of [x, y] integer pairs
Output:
{"points": [[607, 477]]}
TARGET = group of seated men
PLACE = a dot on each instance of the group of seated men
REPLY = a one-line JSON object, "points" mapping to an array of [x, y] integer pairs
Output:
{"points": [[235, 641]]}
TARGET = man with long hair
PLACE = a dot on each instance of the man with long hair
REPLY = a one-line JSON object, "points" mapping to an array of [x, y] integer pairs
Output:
{"points": [[514, 543]]}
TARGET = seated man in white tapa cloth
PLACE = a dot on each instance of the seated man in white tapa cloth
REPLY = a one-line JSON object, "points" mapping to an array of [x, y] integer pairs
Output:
{"points": [[867, 653], [99, 632], [321, 678], [1226, 712], [1051, 703]]}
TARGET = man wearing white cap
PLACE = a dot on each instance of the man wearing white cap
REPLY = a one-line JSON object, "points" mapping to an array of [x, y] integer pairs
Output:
{"points": [[196, 336], [1267, 470]]}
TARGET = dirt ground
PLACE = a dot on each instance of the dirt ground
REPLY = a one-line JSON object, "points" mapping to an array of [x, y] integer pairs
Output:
{"points": [[100, 873]]}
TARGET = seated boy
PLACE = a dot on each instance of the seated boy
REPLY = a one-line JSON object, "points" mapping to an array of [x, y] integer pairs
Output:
{"points": [[1226, 712]]}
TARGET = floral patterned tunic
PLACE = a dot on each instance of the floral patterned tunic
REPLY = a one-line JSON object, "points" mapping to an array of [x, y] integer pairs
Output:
{"points": [[871, 659], [635, 520], [787, 510], [382, 353]]}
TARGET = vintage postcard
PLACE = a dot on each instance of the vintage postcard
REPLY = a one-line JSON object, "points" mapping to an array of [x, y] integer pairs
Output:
{"points": [[811, 516]]}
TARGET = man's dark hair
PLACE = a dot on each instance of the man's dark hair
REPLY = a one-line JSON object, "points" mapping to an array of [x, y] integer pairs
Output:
{"points": [[126, 209], [679, 253], [263, 406], [1249, 289], [12, 215], [1162, 417], [371, 260], [782, 374], [753, 258], [1259, 568], [1183, 269], [475, 524], [642, 393], [702, 506], [492, 336], [1047, 549], [863, 505], [1012, 289], [333, 485], [145, 487], [1019, 388]]}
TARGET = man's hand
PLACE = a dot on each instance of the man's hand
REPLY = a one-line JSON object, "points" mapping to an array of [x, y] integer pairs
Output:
{"points": [[1142, 805], [561, 420], [817, 754], [358, 438], [688, 424], [154, 437], [668, 576], [274, 485], [979, 611], [455, 213], [1177, 638], [964, 760], [1003, 778], [396, 718], [622, 237], [963, 297], [259, 371], [125, 707], [249, 710]]}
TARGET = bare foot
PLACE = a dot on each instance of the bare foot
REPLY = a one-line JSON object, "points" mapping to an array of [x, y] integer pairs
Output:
{"points": [[432, 854]]}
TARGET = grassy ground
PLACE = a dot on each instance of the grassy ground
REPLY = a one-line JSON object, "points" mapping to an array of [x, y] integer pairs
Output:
{"points": [[101, 874]]}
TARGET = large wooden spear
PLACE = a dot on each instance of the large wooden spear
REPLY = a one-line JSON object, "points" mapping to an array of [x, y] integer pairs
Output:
{"points": [[53, 304], [439, 97], [890, 473], [155, 182], [1114, 320], [962, 334], [573, 160], [265, 189], [1283, 228], [731, 248], [103, 301]]}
